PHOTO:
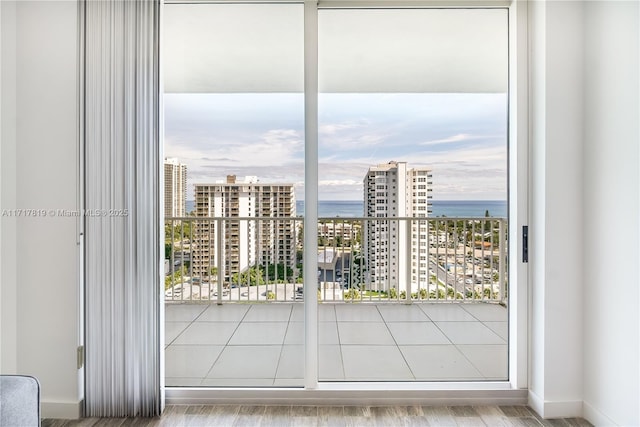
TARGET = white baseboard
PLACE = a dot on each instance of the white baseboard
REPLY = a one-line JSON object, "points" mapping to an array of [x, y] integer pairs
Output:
{"points": [[66, 410], [596, 417], [547, 409]]}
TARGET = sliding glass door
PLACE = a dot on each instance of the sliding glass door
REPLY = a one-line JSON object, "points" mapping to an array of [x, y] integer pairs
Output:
{"points": [[413, 191], [401, 270]]}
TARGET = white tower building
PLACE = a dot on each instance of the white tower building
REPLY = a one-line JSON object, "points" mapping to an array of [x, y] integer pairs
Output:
{"points": [[175, 188], [395, 248]]}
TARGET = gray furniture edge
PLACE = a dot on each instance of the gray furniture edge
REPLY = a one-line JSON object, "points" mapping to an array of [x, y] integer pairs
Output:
{"points": [[19, 401]]}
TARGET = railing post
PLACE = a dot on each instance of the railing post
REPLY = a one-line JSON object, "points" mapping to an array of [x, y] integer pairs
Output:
{"points": [[409, 257], [218, 234]]}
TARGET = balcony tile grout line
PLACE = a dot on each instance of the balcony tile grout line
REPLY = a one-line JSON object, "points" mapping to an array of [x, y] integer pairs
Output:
{"points": [[460, 351], [284, 337], [415, 378], [486, 326], [206, 307], [344, 372], [506, 343], [191, 322], [224, 347], [456, 345]]}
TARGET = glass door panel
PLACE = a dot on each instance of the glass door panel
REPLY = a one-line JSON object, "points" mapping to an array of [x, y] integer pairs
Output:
{"points": [[234, 177], [413, 194]]}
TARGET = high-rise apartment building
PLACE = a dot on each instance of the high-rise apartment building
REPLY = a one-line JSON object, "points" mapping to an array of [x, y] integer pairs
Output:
{"points": [[256, 222], [397, 250], [175, 188]]}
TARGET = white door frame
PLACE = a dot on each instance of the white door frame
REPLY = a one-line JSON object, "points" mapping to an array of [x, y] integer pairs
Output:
{"points": [[513, 391]]}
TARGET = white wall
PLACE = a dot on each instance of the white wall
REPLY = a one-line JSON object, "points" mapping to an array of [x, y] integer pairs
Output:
{"points": [[8, 288], [611, 215], [556, 269], [585, 99], [39, 281]]}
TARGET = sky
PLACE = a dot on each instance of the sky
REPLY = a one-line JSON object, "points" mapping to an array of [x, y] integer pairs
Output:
{"points": [[461, 137]]}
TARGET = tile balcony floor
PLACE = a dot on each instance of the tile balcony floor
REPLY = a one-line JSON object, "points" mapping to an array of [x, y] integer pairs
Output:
{"points": [[262, 344]]}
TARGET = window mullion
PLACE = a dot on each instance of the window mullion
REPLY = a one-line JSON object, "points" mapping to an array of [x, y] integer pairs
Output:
{"points": [[310, 260]]}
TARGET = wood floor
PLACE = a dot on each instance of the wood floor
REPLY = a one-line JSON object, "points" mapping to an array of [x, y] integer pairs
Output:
{"points": [[302, 416]]}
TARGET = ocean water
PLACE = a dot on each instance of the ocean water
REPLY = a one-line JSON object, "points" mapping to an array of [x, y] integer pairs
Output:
{"points": [[449, 208]]}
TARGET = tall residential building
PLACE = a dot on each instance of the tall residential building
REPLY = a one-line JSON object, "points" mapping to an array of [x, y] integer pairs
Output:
{"points": [[175, 188], [397, 250], [267, 239]]}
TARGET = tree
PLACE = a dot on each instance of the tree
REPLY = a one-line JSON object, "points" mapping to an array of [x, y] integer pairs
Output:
{"points": [[253, 276], [300, 236], [487, 223], [181, 230], [175, 278], [278, 272]]}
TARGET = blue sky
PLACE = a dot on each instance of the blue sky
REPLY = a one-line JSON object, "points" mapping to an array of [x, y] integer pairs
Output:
{"points": [[462, 137]]}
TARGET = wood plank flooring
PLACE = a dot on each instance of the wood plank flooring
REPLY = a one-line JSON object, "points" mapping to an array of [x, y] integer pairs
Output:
{"points": [[330, 416]]}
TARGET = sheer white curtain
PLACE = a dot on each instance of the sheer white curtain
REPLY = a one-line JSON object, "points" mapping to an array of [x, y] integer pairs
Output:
{"points": [[120, 48]]}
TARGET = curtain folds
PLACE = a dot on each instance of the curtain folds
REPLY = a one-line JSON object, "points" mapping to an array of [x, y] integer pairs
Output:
{"points": [[121, 196]]}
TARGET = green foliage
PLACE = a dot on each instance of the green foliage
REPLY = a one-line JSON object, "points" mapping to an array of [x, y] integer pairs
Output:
{"points": [[180, 230], [375, 294], [422, 293], [168, 249], [253, 276], [276, 272], [439, 295], [352, 294], [393, 293], [175, 278], [271, 295], [489, 294]]}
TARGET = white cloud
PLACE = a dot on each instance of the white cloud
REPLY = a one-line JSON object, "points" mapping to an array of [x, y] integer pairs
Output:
{"points": [[457, 138], [338, 182], [333, 128], [462, 140], [350, 134]]}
